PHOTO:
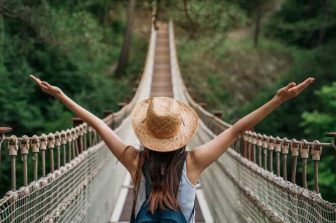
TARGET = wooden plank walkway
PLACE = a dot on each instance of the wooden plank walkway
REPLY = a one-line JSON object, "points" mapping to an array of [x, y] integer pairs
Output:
{"points": [[162, 81], [161, 86]]}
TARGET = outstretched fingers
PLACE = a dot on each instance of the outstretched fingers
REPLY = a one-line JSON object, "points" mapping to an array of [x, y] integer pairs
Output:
{"points": [[41, 84], [38, 81], [290, 85], [46, 84], [303, 85]]}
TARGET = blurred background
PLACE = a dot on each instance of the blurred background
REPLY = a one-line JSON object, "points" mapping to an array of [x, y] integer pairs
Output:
{"points": [[233, 54]]}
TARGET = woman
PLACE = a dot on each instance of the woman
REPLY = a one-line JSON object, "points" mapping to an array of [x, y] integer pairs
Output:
{"points": [[164, 174]]}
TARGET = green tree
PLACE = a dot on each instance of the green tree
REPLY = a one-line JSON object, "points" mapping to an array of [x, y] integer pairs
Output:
{"points": [[305, 24]]}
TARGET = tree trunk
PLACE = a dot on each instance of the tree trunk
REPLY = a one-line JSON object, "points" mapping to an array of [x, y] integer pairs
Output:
{"points": [[123, 57], [257, 25]]}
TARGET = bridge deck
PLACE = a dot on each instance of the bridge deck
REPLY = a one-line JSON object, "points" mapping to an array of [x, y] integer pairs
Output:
{"points": [[161, 86], [162, 82]]}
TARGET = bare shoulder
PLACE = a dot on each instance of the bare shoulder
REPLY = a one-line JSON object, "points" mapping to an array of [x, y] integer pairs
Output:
{"points": [[130, 158], [193, 172]]}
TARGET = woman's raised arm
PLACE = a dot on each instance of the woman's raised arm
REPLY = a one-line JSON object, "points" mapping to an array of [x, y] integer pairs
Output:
{"points": [[205, 154], [112, 140]]}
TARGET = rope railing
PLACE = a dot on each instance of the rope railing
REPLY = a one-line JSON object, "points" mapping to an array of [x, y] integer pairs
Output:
{"points": [[254, 185], [62, 171]]}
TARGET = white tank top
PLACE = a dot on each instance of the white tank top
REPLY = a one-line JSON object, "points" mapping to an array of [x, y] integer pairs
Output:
{"points": [[185, 197]]}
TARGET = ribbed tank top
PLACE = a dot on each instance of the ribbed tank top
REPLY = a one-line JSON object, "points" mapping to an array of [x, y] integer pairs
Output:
{"points": [[185, 197]]}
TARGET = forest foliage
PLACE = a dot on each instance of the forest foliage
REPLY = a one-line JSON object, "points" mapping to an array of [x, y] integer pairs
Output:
{"points": [[72, 45]]}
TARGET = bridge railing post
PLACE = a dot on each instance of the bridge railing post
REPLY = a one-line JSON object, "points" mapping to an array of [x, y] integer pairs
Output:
{"points": [[244, 152], [13, 148], [3, 131], [265, 140], [278, 145], [58, 147], [43, 148], [284, 152], [85, 133], [304, 154], [68, 140], [254, 148], [35, 145], [51, 146], [24, 148], [259, 144], [250, 146], [79, 135], [294, 148], [271, 147], [316, 155], [63, 143]]}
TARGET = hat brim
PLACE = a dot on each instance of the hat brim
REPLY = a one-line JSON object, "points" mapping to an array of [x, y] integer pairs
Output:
{"points": [[149, 140]]}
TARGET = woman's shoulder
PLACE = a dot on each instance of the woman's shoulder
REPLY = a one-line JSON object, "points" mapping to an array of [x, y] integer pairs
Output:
{"points": [[192, 173]]}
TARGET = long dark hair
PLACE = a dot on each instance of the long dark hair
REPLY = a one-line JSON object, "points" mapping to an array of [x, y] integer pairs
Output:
{"points": [[163, 168]]}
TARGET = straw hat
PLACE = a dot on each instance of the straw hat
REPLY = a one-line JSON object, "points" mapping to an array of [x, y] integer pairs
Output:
{"points": [[164, 124]]}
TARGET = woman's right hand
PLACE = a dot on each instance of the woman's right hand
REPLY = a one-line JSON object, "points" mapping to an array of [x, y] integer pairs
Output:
{"points": [[46, 87]]}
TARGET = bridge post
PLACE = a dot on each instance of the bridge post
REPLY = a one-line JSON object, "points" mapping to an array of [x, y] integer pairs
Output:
{"points": [[259, 145], [254, 146], [271, 151], [35, 145], [3, 131], [265, 141], [51, 146], [63, 142], [24, 147], [249, 146], [316, 155], [278, 145], [43, 141], [76, 122], [304, 154], [284, 152], [58, 146], [13, 148], [294, 154]]}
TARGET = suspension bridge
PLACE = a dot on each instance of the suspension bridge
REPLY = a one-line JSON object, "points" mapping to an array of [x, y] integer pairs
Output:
{"points": [[71, 176]]}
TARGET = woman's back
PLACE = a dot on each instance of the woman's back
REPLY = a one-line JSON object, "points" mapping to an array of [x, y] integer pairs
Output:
{"points": [[185, 197]]}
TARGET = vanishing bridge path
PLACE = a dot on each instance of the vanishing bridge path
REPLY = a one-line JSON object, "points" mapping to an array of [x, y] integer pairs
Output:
{"points": [[70, 176]]}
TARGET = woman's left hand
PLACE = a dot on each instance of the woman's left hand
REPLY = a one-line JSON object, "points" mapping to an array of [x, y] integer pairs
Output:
{"points": [[293, 90]]}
